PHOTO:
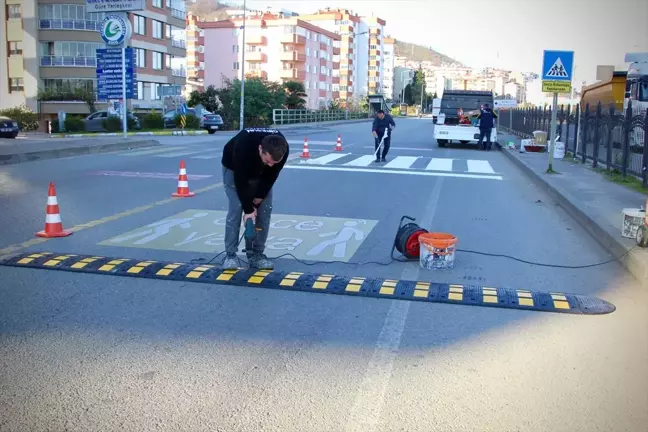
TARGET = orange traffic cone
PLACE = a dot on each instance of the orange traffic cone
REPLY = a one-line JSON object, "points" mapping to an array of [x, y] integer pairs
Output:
{"points": [[53, 223], [338, 145], [183, 183], [305, 152]]}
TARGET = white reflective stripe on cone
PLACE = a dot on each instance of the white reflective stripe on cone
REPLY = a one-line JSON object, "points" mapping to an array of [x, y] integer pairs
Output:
{"points": [[51, 200], [183, 184], [53, 218], [183, 171]]}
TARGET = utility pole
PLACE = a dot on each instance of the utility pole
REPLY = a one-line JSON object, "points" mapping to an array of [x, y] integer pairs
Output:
{"points": [[242, 110]]}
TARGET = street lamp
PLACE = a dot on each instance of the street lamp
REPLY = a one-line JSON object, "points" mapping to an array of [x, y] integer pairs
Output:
{"points": [[242, 109]]}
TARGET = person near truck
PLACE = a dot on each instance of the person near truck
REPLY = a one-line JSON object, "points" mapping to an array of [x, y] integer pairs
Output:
{"points": [[382, 122], [486, 124], [252, 161]]}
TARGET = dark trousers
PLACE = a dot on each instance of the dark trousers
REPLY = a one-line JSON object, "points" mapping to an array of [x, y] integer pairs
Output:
{"points": [[385, 146], [485, 133]]}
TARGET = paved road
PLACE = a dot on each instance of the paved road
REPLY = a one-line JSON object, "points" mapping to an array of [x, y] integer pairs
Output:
{"points": [[88, 352]]}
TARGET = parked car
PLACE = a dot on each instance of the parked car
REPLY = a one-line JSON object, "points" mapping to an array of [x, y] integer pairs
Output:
{"points": [[94, 122], [8, 127], [209, 121]]}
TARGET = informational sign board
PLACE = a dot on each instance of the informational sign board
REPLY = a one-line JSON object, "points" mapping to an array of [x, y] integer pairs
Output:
{"points": [[505, 103], [109, 74], [557, 71], [114, 5]]}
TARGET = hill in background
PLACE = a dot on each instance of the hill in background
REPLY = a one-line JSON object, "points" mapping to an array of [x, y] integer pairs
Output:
{"points": [[416, 53]]}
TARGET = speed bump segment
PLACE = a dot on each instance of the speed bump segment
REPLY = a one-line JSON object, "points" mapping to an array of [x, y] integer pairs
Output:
{"points": [[423, 291]]}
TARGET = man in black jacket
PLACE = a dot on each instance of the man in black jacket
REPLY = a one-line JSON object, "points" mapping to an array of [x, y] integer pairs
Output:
{"points": [[486, 124], [382, 122], [252, 161]]}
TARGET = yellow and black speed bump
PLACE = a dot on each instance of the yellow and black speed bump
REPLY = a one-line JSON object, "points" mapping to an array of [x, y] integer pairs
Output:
{"points": [[318, 283]]}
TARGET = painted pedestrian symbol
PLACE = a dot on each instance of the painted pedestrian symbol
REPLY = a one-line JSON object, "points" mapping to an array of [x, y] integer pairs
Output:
{"points": [[158, 229], [558, 69], [340, 241]]}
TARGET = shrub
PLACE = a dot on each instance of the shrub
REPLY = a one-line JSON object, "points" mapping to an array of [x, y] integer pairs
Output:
{"points": [[26, 118], [74, 124], [192, 122], [153, 120], [395, 111], [113, 123]]}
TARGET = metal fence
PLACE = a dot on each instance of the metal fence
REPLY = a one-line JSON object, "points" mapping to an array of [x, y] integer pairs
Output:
{"points": [[604, 136], [288, 116]]}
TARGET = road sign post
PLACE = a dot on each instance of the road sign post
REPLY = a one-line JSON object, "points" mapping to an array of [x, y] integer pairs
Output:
{"points": [[183, 114], [557, 71]]}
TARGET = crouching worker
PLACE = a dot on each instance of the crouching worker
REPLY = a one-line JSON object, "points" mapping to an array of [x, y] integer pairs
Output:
{"points": [[252, 161]]}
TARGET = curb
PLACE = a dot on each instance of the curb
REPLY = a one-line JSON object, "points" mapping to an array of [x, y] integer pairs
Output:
{"points": [[17, 158], [119, 134], [634, 259]]}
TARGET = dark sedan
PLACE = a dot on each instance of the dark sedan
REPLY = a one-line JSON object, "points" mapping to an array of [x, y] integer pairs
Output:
{"points": [[8, 127], [209, 121]]}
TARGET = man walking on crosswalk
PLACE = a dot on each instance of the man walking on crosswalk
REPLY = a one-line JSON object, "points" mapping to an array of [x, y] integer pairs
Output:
{"points": [[381, 123]]}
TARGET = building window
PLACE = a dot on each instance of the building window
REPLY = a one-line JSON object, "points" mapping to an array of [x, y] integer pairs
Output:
{"points": [[157, 60], [139, 24], [140, 90], [16, 85], [157, 29], [156, 91], [168, 31], [157, 3], [58, 84], [13, 11], [235, 66], [235, 49], [14, 48], [140, 57], [167, 61], [70, 49]]}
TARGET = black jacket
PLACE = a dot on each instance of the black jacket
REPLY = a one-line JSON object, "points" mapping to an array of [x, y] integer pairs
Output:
{"points": [[379, 125], [241, 155], [487, 118]]}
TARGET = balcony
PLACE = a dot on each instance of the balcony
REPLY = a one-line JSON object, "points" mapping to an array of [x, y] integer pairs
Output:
{"points": [[374, 31], [336, 65], [374, 62], [179, 72], [335, 95], [292, 38], [346, 28], [256, 40], [179, 14], [68, 61], [374, 40], [336, 50], [292, 74], [374, 73], [257, 73], [178, 43], [335, 80], [323, 62], [256, 56], [68, 24], [346, 64], [292, 56]]}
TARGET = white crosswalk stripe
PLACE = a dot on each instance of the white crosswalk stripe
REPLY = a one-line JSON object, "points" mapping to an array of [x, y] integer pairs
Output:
{"points": [[402, 162], [480, 166], [439, 164]]}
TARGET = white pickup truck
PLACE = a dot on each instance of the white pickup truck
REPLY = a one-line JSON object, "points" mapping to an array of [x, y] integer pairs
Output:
{"points": [[448, 128]]}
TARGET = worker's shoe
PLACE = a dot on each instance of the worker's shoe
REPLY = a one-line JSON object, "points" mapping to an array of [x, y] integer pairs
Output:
{"points": [[230, 262], [261, 262]]}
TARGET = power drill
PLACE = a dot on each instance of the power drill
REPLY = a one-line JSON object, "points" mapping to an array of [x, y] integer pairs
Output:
{"points": [[250, 231]]}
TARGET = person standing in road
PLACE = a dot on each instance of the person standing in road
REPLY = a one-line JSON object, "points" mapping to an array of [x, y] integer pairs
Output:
{"points": [[486, 123], [381, 123], [252, 161]]}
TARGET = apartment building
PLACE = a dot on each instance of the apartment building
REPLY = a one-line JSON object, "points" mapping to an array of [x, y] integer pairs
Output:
{"points": [[361, 50], [195, 50], [51, 45], [276, 49], [389, 56]]}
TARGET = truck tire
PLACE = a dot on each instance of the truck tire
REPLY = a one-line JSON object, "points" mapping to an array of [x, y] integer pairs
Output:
{"points": [[464, 141], [442, 142]]}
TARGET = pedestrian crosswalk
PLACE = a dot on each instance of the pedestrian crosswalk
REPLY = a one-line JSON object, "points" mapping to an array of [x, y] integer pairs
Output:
{"points": [[415, 165]]}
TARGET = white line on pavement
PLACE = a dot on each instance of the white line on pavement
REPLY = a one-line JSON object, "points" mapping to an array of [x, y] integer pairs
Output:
{"points": [[480, 166], [439, 164], [403, 148], [401, 162], [366, 411], [388, 171], [325, 159]]}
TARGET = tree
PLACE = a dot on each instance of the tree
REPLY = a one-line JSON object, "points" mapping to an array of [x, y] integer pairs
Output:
{"points": [[334, 105], [209, 99], [295, 94], [70, 92], [407, 97], [418, 87]]}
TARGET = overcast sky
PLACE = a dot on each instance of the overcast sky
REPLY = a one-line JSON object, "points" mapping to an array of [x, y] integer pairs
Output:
{"points": [[509, 34]]}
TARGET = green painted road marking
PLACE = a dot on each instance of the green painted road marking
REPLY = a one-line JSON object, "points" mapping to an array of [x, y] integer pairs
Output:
{"points": [[313, 238], [424, 291]]}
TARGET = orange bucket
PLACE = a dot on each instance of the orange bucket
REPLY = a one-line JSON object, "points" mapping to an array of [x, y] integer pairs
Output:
{"points": [[437, 250]]}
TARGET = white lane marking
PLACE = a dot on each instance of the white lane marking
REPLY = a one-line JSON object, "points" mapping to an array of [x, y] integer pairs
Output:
{"points": [[403, 148], [206, 156], [362, 161], [322, 160], [480, 166], [387, 171], [401, 162], [148, 152], [366, 411], [181, 153], [440, 164]]}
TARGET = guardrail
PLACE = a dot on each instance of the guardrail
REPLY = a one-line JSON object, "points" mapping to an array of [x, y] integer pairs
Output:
{"points": [[68, 61], [288, 116], [69, 24]]}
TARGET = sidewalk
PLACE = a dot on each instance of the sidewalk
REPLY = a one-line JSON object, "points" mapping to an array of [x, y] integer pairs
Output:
{"points": [[591, 199], [26, 150]]}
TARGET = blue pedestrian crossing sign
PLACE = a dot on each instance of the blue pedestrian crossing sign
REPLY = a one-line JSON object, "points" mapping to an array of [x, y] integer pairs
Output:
{"points": [[557, 65], [183, 109]]}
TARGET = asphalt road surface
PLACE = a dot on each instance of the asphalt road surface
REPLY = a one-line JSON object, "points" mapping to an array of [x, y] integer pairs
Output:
{"points": [[83, 352]]}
